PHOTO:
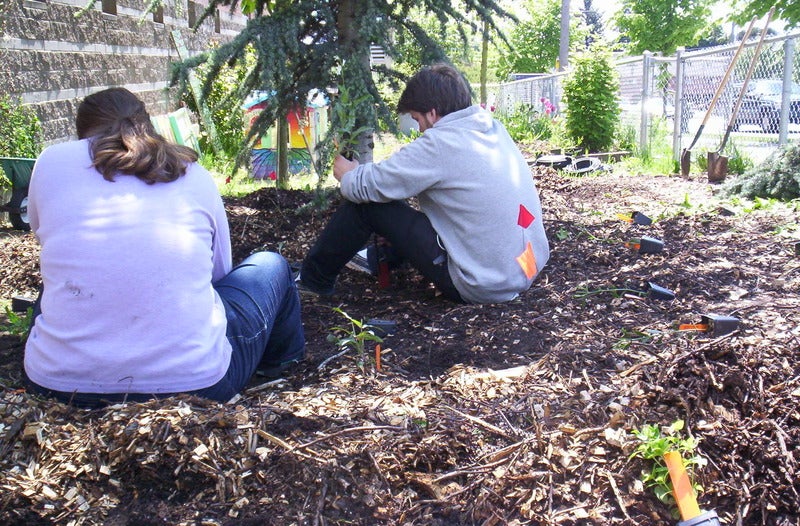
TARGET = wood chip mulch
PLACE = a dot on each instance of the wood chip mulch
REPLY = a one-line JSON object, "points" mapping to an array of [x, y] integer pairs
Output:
{"points": [[514, 414]]}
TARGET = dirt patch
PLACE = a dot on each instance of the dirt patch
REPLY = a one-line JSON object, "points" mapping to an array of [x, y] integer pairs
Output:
{"points": [[496, 414]]}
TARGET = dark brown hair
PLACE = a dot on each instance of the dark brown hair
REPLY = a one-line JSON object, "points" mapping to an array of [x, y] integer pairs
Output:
{"points": [[124, 141], [438, 87]]}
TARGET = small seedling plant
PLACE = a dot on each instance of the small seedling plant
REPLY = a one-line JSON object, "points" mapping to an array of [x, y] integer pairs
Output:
{"points": [[18, 324], [654, 442], [346, 130], [355, 337]]}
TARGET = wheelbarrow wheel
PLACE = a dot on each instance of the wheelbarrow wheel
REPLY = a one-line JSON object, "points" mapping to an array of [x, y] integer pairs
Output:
{"points": [[19, 206]]}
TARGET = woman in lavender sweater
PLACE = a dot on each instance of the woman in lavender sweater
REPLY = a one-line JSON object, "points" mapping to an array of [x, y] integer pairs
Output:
{"points": [[139, 296]]}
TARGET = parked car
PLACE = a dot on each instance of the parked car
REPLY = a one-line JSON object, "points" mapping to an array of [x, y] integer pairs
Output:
{"points": [[761, 105]]}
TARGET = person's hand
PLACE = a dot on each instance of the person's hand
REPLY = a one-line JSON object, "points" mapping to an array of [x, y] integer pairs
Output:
{"points": [[341, 166]]}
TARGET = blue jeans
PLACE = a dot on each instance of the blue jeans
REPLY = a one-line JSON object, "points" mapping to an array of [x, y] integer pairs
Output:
{"points": [[262, 307]]}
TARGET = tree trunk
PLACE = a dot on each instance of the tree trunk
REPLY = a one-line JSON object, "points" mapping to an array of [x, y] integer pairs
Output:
{"points": [[282, 179], [484, 63], [358, 51], [563, 49]]}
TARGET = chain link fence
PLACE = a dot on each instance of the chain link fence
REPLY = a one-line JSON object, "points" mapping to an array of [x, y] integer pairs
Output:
{"points": [[679, 91]]}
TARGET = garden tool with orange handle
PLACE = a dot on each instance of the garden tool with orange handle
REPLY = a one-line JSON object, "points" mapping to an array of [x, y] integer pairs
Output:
{"points": [[684, 494]]}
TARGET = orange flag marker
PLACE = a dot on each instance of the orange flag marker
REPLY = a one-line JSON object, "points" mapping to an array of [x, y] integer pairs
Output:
{"points": [[527, 260], [681, 486]]}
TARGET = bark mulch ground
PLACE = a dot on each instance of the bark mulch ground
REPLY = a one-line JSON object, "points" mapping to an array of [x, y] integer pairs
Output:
{"points": [[508, 414]]}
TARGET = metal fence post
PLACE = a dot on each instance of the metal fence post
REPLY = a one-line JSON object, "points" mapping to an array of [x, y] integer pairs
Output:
{"points": [[788, 62], [647, 65], [677, 125]]}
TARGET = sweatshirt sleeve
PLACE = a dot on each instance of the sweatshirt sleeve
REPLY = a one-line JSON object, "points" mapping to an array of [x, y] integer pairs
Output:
{"points": [[221, 244], [404, 174], [221, 252]]}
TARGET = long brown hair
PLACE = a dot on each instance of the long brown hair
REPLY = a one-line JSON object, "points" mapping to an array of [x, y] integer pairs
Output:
{"points": [[124, 141]]}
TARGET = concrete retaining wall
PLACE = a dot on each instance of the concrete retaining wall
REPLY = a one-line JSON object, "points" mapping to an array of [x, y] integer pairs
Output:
{"points": [[50, 58]]}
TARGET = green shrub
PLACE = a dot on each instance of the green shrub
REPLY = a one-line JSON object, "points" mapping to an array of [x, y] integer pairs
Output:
{"points": [[777, 177], [590, 92], [21, 132]]}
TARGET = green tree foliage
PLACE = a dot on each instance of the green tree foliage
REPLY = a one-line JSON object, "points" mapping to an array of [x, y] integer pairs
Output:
{"points": [[778, 177], [662, 25], [786, 10], [21, 132], [302, 45], [590, 92], [410, 57], [534, 43], [224, 105], [713, 35]]}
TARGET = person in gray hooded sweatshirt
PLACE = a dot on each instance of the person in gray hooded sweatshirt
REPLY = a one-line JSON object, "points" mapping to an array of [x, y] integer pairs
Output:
{"points": [[478, 235]]}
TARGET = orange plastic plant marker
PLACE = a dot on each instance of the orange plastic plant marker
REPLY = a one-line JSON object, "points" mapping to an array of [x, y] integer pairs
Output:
{"points": [[635, 246], [693, 327], [681, 486], [378, 357]]}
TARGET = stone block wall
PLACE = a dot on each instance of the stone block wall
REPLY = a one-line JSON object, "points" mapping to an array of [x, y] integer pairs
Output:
{"points": [[50, 58]]}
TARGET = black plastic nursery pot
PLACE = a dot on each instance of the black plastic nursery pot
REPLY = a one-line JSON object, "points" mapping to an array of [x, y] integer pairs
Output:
{"points": [[719, 325], [641, 219], [382, 328], [583, 165], [650, 245], [18, 171], [657, 292], [797, 248], [556, 161], [22, 303]]}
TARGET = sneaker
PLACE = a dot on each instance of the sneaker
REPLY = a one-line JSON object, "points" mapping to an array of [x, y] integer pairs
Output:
{"points": [[306, 290], [361, 263], [275, 370]]}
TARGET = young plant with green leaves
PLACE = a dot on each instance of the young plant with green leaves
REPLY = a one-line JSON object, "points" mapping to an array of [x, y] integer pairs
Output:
{"points": [[18, 324], [654, 442], [355, 337], [344, 125]]}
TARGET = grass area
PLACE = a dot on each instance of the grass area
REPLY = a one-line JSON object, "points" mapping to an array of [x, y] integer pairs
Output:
{"points": [[240, 183]]}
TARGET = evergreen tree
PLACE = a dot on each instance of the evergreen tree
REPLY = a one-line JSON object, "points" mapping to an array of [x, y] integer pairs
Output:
{"points": [[593, 20], [305, 45]]}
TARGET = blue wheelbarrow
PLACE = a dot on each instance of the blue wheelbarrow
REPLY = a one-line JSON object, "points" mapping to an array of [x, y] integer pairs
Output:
{"points": [[18, 171]]}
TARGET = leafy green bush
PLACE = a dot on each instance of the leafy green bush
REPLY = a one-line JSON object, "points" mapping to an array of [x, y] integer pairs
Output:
{"points": [[21, 132], [778, 177], [590, 92]]}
